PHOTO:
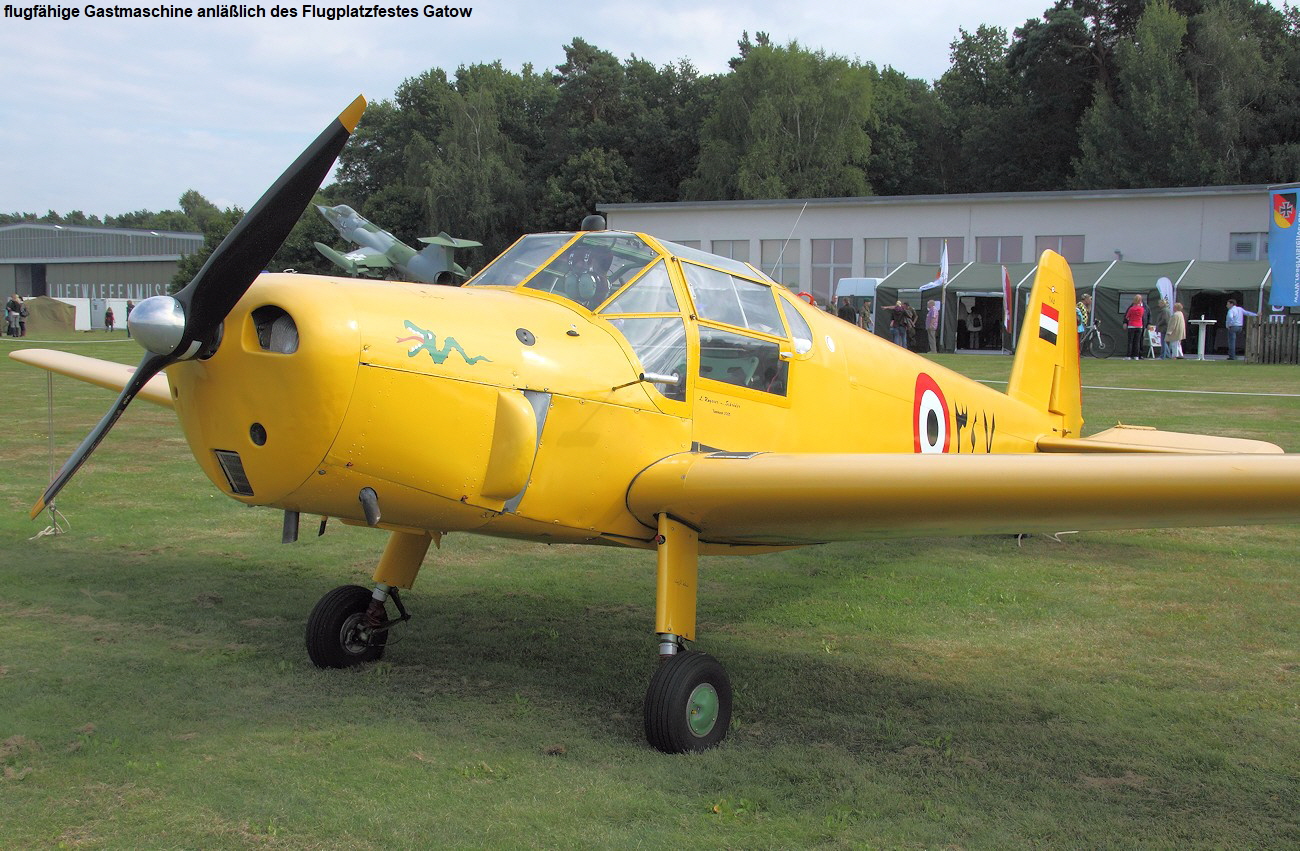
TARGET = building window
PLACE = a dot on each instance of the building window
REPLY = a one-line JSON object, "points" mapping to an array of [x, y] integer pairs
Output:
{"points": [[1248, 246], [689, 243], [780, 259], [832, 259], [1069, 247], [736, 249], [998, 249], [932, 249], [882, 256]]}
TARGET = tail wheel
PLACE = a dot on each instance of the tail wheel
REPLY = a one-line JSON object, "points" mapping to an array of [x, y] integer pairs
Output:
{"points": [[688, 704], [338, 633]]}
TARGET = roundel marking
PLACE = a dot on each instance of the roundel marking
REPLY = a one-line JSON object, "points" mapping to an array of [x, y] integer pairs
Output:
{"points": [[929, 417]]}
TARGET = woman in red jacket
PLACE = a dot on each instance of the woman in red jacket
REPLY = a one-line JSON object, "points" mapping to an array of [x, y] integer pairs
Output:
{"points": [[1135, 319]]}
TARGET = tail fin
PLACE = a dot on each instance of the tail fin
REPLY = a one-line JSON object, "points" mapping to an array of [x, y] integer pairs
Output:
{"points": [[1045, 374]]}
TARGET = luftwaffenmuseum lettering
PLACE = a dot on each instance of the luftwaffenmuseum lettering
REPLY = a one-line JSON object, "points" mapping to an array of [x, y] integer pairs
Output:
{"points": [[236, 10]]}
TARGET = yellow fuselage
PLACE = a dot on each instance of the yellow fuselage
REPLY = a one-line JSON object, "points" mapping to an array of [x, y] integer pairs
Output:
{"points": [[518, 413]]}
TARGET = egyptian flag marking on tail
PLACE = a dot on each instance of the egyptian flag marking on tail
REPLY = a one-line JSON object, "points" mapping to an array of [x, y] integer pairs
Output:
{"points": [[1049, 322]]}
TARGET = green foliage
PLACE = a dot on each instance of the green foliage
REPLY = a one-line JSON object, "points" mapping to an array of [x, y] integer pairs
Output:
{"points": [[787, 123], [471, 183], [1145, 135], [215, 225]]}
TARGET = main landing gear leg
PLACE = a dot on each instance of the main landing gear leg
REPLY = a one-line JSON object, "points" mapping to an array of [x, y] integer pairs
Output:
{"points": [[688, 704], [350, 624]]}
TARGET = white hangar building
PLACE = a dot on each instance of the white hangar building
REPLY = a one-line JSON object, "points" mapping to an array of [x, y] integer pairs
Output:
{"points": [[810, 245], [90, 267]]}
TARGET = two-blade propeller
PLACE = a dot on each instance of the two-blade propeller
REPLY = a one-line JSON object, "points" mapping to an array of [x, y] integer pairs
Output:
{"points": [[173, 328]]}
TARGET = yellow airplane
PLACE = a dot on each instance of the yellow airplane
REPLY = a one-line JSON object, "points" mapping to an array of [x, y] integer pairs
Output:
{"points": [[609, 387]]}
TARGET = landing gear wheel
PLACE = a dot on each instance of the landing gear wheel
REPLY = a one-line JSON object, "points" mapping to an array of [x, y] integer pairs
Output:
{"points": [[338, 635], [688, 704]]}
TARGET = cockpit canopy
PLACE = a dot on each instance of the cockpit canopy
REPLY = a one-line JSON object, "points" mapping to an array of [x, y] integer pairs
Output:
{"points": [[747, 331]]}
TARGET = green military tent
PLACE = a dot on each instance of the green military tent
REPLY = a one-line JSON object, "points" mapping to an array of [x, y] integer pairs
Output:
{"points": [[1203, 288]]}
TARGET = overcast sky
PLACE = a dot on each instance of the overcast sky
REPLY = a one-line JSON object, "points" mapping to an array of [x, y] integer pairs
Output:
{"points": [[110, 116]]}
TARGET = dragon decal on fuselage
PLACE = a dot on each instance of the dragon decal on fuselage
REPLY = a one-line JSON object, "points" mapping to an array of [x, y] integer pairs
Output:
{"points": [[427, 341]]}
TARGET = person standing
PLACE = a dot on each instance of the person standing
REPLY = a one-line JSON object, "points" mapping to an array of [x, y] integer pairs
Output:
{"points": [[108, 320], [130, 306], [974, 325], [13, 315], [1176, 334], [846, 311], [898, 324], [1159, 326], [932, 324], [1082, 316], [1135, 321], [1236, 324]]}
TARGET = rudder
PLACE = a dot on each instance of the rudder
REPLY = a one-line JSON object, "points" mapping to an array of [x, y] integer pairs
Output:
{"points": [[1045, 373]]}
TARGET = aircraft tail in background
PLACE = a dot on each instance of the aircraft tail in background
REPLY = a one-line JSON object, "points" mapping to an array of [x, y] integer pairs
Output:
{"points": [[1045, 373]]}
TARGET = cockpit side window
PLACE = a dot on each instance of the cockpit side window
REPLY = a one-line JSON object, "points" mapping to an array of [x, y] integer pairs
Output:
{"points": [[720, 297], [800, 331], [660, 345], [742, 360], [652, 293]]}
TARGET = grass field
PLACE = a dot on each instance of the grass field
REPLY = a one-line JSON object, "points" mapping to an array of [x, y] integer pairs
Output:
{"points": [[1136, 689]]}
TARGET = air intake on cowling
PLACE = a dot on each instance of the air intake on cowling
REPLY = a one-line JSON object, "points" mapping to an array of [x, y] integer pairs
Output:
{"points": [[276, 330], [233, 467]]}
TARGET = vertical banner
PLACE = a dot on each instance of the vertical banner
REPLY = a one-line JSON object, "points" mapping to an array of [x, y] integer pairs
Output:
{"points": [[1283, 248], [1165, 287], [1006, 300]]}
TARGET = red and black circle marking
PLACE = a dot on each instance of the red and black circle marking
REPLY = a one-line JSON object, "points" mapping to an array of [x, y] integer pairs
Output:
{"points": [[929, 417]]}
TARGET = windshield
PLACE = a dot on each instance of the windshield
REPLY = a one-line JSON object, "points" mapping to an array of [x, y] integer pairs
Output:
{"points": [[520, 260], [585, 267]]}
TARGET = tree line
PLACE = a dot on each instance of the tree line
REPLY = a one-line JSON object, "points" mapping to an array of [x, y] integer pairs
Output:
{"points": [[1093, 94]]}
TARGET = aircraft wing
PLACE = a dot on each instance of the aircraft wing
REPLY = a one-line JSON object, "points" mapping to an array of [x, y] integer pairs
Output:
{"points": [[103, 373], [776, 498], [369, 258]]}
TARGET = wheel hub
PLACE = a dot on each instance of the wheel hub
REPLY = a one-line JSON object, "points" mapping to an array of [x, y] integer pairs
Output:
{"points": [[702, 709], [354, 635]]}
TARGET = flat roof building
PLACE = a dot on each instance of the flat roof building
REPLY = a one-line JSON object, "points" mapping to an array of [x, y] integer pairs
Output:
{"points": [[809, 245], [73, 261]]}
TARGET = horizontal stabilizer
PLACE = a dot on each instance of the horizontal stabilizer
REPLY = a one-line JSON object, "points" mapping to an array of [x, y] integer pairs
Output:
{"points": [[449, 241], [103, 373], [1123, 438]]}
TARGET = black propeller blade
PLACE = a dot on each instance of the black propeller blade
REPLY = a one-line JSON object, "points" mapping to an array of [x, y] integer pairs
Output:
{"points": [[225, 277]]}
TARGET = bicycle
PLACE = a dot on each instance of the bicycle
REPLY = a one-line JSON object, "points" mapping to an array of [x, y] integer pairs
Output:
{"points": [[1097, 343]]}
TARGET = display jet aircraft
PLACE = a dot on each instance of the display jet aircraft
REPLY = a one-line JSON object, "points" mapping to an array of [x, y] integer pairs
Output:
{"points": [[607, 387], [381, 250]]}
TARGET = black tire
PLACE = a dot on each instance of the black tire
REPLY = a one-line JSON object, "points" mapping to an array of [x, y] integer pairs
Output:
{"points": [[1102, 345], [336, 633], [688, 704]]}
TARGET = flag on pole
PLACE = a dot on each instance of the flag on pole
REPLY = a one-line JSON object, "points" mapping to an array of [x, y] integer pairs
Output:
{"points": [[942, 277], [1284, 248], [1006, 300]]}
